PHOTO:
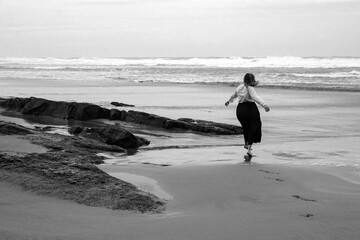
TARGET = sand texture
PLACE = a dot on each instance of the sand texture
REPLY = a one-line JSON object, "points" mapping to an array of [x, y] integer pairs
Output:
{"points": [[214, 202]]}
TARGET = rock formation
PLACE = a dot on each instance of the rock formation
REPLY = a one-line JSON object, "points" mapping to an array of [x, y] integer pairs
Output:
{"points": [[12, 128], [57, 109], [68, 171], [87, 111], [118, 104], [110, 135]]}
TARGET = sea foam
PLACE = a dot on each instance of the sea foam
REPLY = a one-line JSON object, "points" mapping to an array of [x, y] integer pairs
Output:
{"points": [[330, 73], [228, 62]]}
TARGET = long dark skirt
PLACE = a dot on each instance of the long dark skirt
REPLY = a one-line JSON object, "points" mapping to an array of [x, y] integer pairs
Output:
{"points": [[249, 117]]}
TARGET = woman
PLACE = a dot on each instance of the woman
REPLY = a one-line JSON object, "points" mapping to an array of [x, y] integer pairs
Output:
{"points": [[247, 112]]}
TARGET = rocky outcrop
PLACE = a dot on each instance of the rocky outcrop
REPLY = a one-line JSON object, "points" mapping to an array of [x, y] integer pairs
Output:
{"points": [[111, 136], [145, 119], [219, 128], [86, 111], [153, 120], [70, 110], [68, 171], [74, 144], [12, 128], [117, 114], [68, 176], [57, 109], [118, 104]]}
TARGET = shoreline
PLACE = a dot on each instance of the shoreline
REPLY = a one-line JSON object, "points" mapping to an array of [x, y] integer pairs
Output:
{"points": [[128, 83]]}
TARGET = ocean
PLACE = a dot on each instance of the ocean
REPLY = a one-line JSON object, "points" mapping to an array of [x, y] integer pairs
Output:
{"points": [[333, 73]]}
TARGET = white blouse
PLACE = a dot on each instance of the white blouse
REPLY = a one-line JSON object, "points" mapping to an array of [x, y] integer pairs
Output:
{"points": [[246, 94]]}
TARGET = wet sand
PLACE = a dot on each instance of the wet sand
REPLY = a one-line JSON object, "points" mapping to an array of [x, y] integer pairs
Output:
{"points": [[209, 202], [304, 183]]}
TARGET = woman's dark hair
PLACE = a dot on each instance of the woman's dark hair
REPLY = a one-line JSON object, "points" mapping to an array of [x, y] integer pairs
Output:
{"points": [[249, 79]]}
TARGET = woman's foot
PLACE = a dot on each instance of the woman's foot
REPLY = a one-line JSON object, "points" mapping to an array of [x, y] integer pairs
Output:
{"points": [[248, 157]]}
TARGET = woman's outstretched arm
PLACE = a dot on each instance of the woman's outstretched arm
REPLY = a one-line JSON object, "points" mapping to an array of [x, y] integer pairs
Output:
{"points": [[232, 97]]}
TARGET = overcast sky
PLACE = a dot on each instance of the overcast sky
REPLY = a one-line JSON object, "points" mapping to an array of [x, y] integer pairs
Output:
{"points": [[179, 28]]}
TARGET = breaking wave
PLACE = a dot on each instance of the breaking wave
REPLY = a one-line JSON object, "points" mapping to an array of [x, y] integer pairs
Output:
{"points": [[339, 73], [228, 62]]}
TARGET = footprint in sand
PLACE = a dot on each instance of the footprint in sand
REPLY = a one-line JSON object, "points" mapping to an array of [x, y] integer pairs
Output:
{"points": [[265, 171], [304, 199], [277, 179], [269, 172]]}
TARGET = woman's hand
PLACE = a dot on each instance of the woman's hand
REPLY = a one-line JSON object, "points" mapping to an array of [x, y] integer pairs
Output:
{"points": [[227, 103], [266, 108]]}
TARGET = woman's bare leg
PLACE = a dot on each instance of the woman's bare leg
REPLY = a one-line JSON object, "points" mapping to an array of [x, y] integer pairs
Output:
{"points": [[249, 154], [249, 149]]}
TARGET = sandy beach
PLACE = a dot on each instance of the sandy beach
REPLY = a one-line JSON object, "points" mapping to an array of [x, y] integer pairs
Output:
{"points": [[209, 202], [303, 183]]}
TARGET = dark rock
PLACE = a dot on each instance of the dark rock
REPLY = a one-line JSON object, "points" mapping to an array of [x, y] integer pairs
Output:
{"points": [[87, 111], [70, 176], [146, 118], [203, 126], [12, 128], [176, 124], [43, 107], [60, 109], [13, 103], [114, 136], [118, 104], [72, 144], [68, 172], [75, 130], [183, 123], [214, 126], [117, 115], [143, 141], [93, 145]]}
